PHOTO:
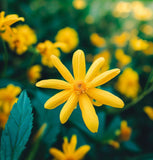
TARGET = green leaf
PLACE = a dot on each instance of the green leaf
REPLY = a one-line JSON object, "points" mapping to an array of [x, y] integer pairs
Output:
{"points": [[17, 129], [131, 146]]}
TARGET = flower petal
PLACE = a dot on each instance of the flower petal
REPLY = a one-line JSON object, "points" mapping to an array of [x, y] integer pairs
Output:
{"points": [[105, 97], [73, 143], [62, 69], [103, 78], [65, 145], [53, 83], [79, 66], [94, 68], [68, 108], [81, 151], [57, 99], [57, 153], [88, 113]]}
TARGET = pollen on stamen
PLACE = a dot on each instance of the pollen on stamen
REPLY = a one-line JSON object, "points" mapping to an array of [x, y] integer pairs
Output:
{"points": [[79, 87]]}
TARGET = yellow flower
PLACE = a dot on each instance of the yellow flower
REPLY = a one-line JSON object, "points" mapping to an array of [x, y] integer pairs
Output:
{"points": [[96, 40], [147, 29], [34, 73], [121, 40], [21, 38], [3, 119], [125, 131], [47, 49], [114, 144], [138, 44], [128, 83], [122, 58], [81, 88], [149, 50], [68, 36], [122, 9], [149, 111], [79, 4], [106, 55], [8, 97], [69, 150], [6, 22]]}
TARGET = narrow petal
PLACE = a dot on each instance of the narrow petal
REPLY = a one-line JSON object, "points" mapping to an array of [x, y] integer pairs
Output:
{"points": [[94, 68], [73, 143], [53, 83], [88, 113], [82, 151], [79, 66], [68, 108], [103, 78], [65, 145], [57, 153], [62, 69], [57, 99], [105, 97]]}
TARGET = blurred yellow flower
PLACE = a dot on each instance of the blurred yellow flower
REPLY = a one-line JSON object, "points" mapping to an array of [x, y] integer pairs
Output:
{"points": [[140, 12], [69, 150], [3, 119], [122, 9], [6, 22], [122, 58], [68, 36], [149, 111], [21, 38], [125, 131], [106, 55], [114, 144], [81, 88], [121, 40], [96, 40], [138, 44], [8, 96], [128, 83], [79, 4], [34, 73], [149, 50], [147, 29], [47, 49]]}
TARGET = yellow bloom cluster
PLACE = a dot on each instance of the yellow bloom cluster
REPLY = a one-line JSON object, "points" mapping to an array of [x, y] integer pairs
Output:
{"points": [[47, 49], [21, 38], [69, 150], [114, 144], [147, 29], [69, 37], [97, 40], [149, 111], [8, 96], [121, 40], [138, 44], [149, 50], [6, 22], [122, 58], [34, 73], [81, 88], [139, 11], [128, 83], [79, 4]]}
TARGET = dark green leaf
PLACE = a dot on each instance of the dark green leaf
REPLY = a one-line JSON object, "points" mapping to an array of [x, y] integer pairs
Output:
{"points": [[17, 130]]}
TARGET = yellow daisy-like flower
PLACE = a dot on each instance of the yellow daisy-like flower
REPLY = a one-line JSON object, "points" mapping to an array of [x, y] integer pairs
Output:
{"points": [[34, 73], [81, 88], [8, 97], [69, 150], [69, 37], [6, 22]]}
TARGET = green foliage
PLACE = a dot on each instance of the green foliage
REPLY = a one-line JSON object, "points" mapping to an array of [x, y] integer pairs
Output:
{"points": [[17, 130]]}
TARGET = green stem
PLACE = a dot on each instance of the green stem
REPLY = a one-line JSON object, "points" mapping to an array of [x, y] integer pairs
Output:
{"points": [[5, 57]]}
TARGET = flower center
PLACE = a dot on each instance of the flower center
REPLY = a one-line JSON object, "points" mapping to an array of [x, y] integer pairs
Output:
{"points": [[79, 87]]}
